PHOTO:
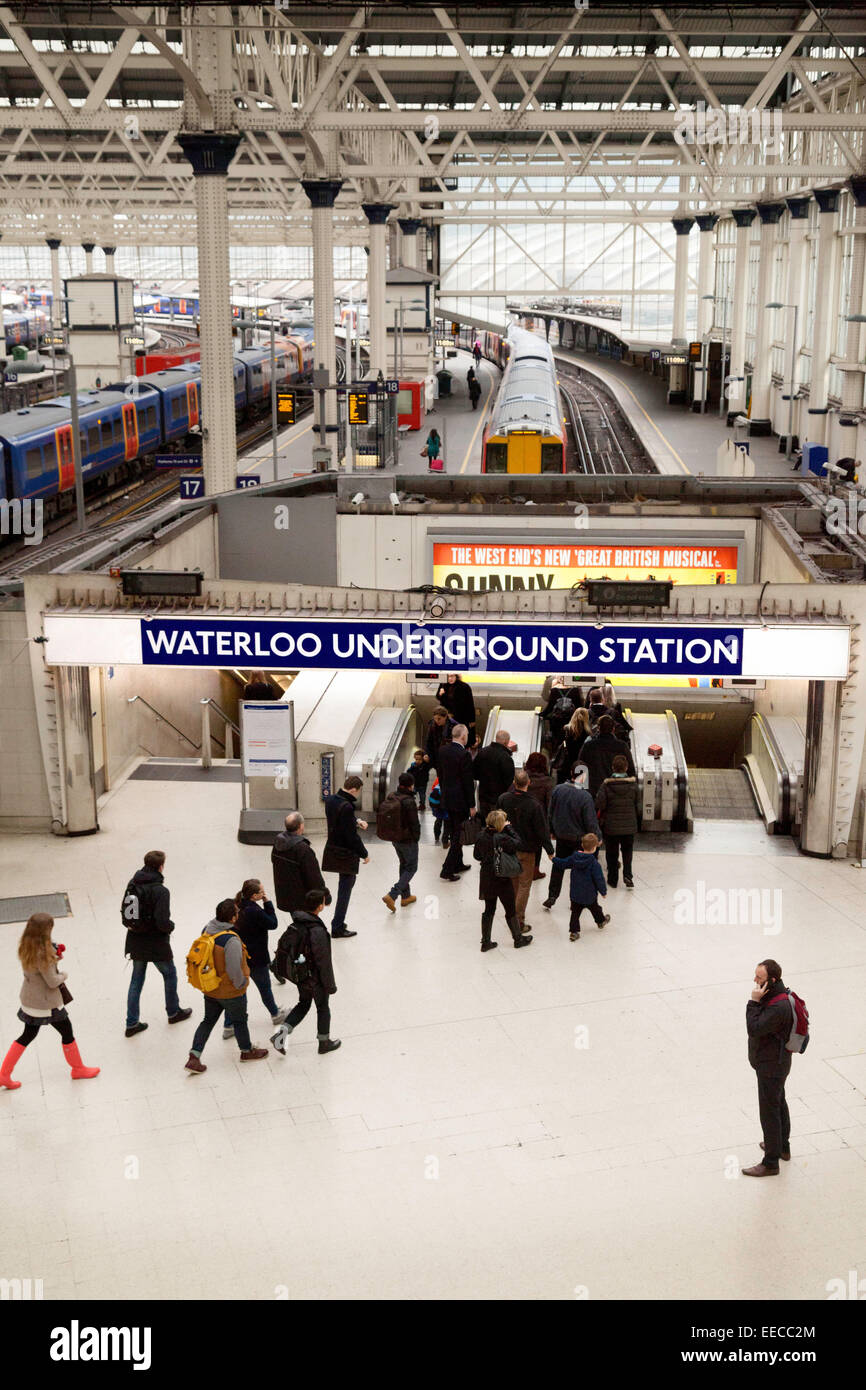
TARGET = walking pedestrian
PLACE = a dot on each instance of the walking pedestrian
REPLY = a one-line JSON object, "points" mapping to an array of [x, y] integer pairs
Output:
{"points": [[475, 392], [572, 815], [227, 958], [617, 806], [574, 736], [476, 352], [296, 868], [587, 881], [456, 696], [768, 1025], [419, 770], [528, 819], [599, 751], [435, 803], [439, 731], [256, 919], [560, 707], [433, 446], [458, 798], [401, 819], [344, 849], [496, 838], [146, 911], [318, 982], [493, 770], [43, 1000], [541, 786]]}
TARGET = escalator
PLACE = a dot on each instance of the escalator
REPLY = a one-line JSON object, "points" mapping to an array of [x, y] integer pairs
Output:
{"points": [[524, 726], [773, 766]]}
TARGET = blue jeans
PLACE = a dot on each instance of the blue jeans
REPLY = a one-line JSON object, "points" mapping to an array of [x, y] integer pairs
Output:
{"points": [[344, 892], [261, 978], [236, 1015], [407, 857], [168, 972]]}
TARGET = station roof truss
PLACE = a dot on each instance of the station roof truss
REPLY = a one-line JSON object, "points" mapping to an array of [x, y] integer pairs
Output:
{"points": [[510, 111]]}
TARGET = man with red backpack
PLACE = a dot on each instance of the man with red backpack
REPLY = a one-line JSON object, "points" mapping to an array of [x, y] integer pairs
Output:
{"points": [[397, 821], [777, 1023]]}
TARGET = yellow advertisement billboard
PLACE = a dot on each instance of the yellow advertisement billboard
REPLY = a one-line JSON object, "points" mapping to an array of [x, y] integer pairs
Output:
{"points": [[490, 568]]}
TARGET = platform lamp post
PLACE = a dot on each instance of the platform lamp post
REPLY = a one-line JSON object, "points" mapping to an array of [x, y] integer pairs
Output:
{"points": [[777, 304]]}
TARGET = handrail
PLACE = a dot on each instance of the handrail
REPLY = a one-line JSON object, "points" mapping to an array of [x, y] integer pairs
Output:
{"points": [[131, 699], [222, 714]]}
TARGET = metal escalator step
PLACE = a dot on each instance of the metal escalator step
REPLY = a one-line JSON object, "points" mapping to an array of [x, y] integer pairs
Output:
{"points": [[719, 793]]}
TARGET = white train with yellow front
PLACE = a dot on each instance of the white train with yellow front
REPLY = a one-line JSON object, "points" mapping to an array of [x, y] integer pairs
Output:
{"points": [[526, 430]]}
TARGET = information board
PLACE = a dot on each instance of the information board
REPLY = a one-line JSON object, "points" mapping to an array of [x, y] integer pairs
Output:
{"points": [[359, 408], [266, 738]]}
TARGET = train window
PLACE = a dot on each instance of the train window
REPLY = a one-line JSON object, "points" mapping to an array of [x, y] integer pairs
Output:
{"points": [[107, 437], [150, 418], [93, 439], [33, 463], [551, 458], [178, 407], [496, 460], [117, 426]]}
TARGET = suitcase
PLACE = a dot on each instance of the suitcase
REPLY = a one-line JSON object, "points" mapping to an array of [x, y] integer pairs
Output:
{"points": [[436, 466]]}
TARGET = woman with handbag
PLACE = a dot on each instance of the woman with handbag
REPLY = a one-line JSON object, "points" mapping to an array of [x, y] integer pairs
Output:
{"points": [[44, 997], [496, 851]]}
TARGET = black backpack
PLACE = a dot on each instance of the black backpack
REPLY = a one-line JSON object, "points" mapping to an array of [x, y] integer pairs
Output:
{"points": [[389, 819], [130, 908], [291, 958], [563, 709]]}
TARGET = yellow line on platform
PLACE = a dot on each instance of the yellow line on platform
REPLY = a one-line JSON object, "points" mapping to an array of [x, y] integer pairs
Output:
{"points": [[663, 437], [478, 426]]}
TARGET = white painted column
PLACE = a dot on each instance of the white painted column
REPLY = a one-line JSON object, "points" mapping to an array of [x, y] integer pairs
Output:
{"points": [[744, 217], [53, 244], [377, 215], [87, 248], [706, 270], [322, 194], [409, 227], [210, 156], [765, 321], [795, 293], [682, 227], [824, 315], [852, 381], [108, 253]]}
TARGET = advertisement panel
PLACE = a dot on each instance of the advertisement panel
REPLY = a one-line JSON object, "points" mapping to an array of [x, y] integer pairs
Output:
{"points": [[484, 567]]}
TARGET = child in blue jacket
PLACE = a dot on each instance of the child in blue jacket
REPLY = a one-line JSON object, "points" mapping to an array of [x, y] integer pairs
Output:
{"points": [[440, 817], [587, 881]]}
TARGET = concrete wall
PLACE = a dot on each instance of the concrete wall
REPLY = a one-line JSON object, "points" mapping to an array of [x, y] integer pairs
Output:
{"points": [[24, 801], [254, 542], [193, 547]]}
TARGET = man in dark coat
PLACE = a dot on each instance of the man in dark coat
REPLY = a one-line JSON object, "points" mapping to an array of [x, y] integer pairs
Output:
{"points": [[526, 816], [146, 910], [260, 688], [617, 805], [599, 751], [768, 1024], [493, 770], [344, 849], [439, 731], [458, 797], [320, 985], [406, 848], [572, 815], [296, 868]]}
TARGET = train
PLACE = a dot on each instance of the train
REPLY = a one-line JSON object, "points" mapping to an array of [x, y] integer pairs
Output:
{"points": [[119, 429], [526, 429], [24, 327]]}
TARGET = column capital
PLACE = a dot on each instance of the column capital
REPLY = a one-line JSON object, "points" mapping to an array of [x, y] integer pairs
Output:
{"points": [[770, 213], [744, 217], [707, 220], [377, 213], [108, 250], [410, 225], [53, 243], [799, 207], [207, 152], [88, 247], [827, 199], [322, 193], [682, 225], [857, 185]]}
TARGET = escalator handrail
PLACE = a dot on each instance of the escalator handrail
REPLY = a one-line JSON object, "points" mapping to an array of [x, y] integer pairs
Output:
{"points": [[381, 776], [492, 725], [682, 765], [780, 767]]}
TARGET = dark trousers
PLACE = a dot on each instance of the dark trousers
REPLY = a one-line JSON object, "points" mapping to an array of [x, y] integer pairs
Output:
{"points": [[438, 825], [64, 1028], [563, 849], [261, 978], [773, 1108], [504, 895], [307, 995], [236, 1015], [612, 846], [407, 858], [345, 885], [168, 972], [454, 857], [594, 909]]}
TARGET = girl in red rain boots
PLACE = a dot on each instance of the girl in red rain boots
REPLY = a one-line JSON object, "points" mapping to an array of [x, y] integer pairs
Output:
{"points": [[44, 997]]}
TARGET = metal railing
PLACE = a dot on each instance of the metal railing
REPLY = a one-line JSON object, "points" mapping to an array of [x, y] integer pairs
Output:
{"points": [[207, 738], [161, 719]]}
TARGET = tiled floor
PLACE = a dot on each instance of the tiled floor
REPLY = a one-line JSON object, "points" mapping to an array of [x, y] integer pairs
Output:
{"points": [[507, 1125]]}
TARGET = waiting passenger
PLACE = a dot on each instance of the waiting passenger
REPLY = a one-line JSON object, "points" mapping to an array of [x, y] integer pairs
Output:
{"points": [[617, 805], [587, 881], [595, 704], [146, 911], [260, 688], [318, 983], [572, 815], [768, 1024], [230, 962], [599, 751], [344, 850], [498, 838], [256, 919], [400, 817], [43, 998], [476, 352], [493, 770], [475, 392], [419, 770]]}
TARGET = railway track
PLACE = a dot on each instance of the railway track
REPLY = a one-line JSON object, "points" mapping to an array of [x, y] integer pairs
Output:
{"points": [[601, 441]]}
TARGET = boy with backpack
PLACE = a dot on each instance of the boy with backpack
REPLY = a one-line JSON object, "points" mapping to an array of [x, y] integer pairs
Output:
{"points": [[397, 821], [777, 1023], [587, 881], [218, 965], [304, 957]]}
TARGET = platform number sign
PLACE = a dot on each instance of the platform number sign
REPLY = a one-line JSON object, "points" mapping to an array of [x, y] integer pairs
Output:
{"points": [[655, 354], [246, 480], [286, 407], [359, 408], [191, 486], [392, 388]]}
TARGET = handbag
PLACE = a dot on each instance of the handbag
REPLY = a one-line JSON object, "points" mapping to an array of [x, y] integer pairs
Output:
{"points": [[65, 994], [473, 828], [505, 864], [336, 859]]}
